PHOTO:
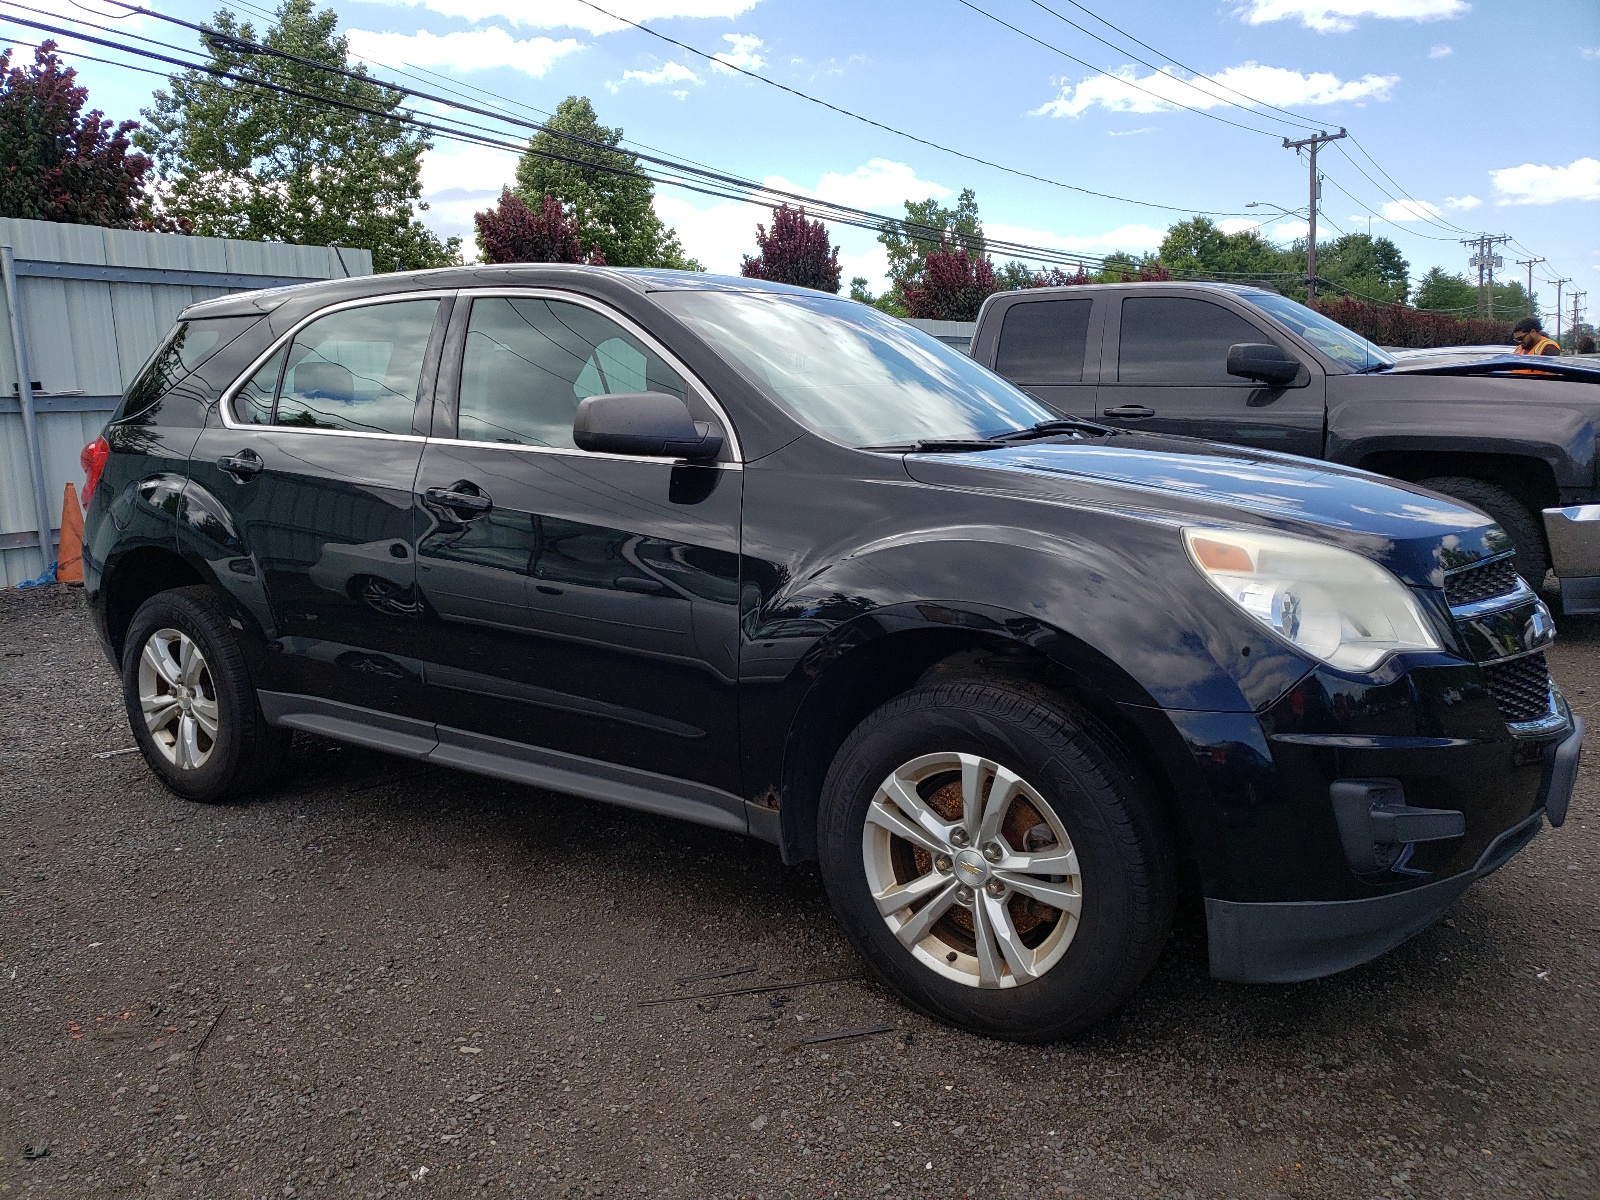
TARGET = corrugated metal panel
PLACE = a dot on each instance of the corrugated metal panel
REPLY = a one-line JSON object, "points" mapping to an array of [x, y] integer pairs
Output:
{"points": [[92, 336], [951, 333]]}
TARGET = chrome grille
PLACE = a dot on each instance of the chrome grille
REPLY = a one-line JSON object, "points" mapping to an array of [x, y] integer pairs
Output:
{"points": [[1468, 586], [1520, 687]]}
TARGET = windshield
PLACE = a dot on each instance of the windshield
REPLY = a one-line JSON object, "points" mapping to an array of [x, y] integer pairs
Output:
{"points": [[1344, 346], [853, 374]]}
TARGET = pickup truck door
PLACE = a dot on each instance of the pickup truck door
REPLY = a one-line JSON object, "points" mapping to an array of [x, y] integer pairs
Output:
{"points": [[1166, 371], [1050, 348]]}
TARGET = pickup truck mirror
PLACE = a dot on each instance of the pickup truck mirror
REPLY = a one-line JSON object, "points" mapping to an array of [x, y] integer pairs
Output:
{"points": [[648, 424], [1264, 361]]}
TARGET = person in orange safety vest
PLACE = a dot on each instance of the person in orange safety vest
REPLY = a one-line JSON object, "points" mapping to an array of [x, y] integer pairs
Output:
{"points": [[1531, 339]]}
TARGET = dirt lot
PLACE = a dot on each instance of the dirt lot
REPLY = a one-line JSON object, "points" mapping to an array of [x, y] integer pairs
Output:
{"points": [[377, 979]]}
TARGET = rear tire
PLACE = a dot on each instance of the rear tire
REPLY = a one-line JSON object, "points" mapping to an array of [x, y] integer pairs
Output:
{"points": [[1061, 821], [191, 702], [1522, 525]]}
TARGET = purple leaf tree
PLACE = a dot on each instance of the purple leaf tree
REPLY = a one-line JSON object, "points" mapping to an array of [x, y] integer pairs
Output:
{"points": [[511, 232], [797, 251]]}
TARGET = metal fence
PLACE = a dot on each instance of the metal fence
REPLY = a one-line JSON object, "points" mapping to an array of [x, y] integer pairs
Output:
{"points": [[90, 306]]}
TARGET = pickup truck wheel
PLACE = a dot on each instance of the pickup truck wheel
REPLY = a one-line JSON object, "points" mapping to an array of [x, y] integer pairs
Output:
{"points": [[190, 700], [1511, 514], [994, 860]]}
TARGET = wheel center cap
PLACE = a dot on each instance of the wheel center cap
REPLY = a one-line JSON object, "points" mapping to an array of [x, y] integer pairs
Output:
{"points": [[971, 868]]}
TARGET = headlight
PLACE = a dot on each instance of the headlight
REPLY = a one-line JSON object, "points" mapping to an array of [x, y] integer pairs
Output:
{"points": [[1333, 604]]}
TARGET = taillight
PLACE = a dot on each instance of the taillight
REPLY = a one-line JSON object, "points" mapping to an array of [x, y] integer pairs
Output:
{"points": [[93, 461]]}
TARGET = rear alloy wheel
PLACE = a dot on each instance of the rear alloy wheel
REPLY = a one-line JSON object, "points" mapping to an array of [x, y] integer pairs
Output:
{"points": [[995, 859], [178, 698], [972, 870], [191, 702]]}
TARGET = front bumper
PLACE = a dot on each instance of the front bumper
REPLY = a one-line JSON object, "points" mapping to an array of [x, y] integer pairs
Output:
{"points": [[1286, 942], [1574, 536]]}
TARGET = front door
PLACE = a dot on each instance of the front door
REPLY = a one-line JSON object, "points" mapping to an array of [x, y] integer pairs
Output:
{"points": [[585, 603], [314, 465], [1170, 375]]}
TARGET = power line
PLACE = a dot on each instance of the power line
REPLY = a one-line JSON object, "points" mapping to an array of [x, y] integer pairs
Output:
{"points": [[1100, 71], [921, 141]]}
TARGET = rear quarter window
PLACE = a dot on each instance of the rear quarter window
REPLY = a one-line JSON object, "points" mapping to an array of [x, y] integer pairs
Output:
{"points": [[1042, 341], [186, 346]]}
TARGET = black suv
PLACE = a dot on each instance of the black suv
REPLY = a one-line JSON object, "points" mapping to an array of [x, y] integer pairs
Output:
{"points": [[769, 560]]}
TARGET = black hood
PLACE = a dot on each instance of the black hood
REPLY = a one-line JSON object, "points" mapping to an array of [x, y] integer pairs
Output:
{"points": [[1415, 533]]}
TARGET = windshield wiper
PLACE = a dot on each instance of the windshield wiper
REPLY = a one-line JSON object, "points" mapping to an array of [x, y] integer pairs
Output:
{"points": [[965, 445], [1050, 428], [934, 446], [1378, 366]]}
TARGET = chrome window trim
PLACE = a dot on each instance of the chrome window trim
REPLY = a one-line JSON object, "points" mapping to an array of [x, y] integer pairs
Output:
{"points": [[629, 326], [226, 403], [572, 452]]}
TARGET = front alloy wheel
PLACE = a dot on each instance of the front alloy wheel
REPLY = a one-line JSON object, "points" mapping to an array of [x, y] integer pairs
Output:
{"points": [[971, 870], [178, 698]]}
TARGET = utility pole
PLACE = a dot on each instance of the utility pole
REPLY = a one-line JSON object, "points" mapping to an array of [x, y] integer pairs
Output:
{"points": [[1312, 143], [1558, 284], [1576, 318], [1533, 310], [1486, 260]]}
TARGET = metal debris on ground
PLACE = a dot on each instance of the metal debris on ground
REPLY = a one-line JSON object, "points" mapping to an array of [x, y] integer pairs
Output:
{"points": [[751, 991], [743, 969], [114, 753], [844, 1034]]}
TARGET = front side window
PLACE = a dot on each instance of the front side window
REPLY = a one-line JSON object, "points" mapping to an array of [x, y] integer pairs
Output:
{"points": [[1171, 339], [852, 373], [356, 370], [1344, 346], [1042, 341], [529, 362]]}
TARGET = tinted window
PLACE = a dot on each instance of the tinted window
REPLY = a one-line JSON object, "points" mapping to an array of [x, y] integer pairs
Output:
{"points": [[358, 369], [188, 345], [1042, 341], [529, 362], [1166, 339], [252, 404]]}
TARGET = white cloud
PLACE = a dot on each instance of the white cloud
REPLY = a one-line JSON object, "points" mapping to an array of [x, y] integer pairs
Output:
{"points": [[667, 72], [452, 166], [1462, 203], [1164, 90], [881, 183], [1589, 51], [462, 50], [1408, 210], [745, 52], [1130, 132], [1278, 231], [1339, 16], [569, 14], [1534, 184], [1440, 52]]}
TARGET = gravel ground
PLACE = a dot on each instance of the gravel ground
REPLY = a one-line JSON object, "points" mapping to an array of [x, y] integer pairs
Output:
{"points": [[379, 979]]}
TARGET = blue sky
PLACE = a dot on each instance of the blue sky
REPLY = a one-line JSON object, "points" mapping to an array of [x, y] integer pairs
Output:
{"points": [[1475, 115]]}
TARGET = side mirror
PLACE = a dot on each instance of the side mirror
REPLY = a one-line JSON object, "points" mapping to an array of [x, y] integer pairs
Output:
{"points": [[649, 424], [1264, 361]]}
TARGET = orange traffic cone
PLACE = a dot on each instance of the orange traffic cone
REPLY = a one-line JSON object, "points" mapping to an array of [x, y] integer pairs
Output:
{"points": [[69, 555]]}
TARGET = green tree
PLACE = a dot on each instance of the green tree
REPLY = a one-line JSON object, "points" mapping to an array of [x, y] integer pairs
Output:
{"points": [[1440, 291], [603, 189], [1370, 267], [239, 160], [1198, 247], [908, 251]]}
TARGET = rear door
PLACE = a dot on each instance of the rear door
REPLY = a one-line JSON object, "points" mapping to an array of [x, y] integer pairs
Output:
{"points": [[1166, 371], [1050, 347], [311, 461], [585, 603]]}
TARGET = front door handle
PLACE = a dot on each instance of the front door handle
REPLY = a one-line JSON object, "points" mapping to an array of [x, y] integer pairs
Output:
{"points": [[1129, 410], [459, 499], [243, 466]]}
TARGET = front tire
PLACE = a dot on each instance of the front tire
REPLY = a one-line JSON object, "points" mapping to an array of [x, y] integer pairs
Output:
{"points": [[995, 860], [191, 702]]}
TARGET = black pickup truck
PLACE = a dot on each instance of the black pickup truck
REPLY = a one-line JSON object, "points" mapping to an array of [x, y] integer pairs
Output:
{"points": [[1514, 437]]}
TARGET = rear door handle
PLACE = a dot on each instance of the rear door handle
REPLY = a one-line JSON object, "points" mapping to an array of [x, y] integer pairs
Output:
{"points": [[458, 499], [1129, 410], [243, 466]]}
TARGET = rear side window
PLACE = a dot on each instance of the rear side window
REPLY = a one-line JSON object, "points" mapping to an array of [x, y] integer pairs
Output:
{"points": [[357, 370], [1170, 339], [1042, 341], [528, 363], [186, 346]]}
